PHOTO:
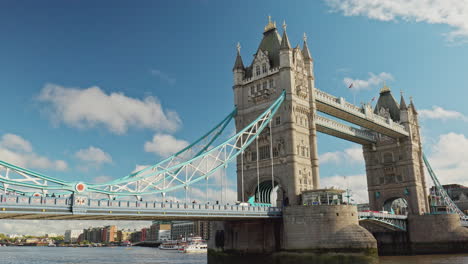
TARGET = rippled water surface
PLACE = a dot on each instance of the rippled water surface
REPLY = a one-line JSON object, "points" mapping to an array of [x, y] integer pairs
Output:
{"points": [[116, 255], [137, 255]]}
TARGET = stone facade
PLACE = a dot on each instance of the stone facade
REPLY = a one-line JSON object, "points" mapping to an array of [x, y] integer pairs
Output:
{"points": [[277, 67], [394, 166], [324, 227]]}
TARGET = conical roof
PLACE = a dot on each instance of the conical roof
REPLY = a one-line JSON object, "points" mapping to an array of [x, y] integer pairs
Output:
{"points": [[403, 103], [238, 65], [388, 102], [285, 41], [305, 49]]}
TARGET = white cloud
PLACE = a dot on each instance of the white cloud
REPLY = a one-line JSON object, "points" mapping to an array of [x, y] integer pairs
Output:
{"points": [[102, 179], [165, 145], [349, 155], [93, 155], [163, 76], [12, 141], [438, 112], [212, 195], [139, 167], [450, 12], [373, 81], [90, 107], [448, 159], [356, 183], [18, 151]]}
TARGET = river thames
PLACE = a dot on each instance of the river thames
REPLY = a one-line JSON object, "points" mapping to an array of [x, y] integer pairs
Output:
{"points": [[137, 255]]}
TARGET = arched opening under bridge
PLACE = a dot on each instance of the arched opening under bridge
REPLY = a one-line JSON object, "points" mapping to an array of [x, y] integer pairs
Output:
{"points": [[266, 193], [396, 205]]}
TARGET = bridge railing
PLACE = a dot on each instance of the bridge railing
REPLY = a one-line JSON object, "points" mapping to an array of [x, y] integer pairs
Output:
{"points": [[340, 103], [84, 202], [381, 215]]}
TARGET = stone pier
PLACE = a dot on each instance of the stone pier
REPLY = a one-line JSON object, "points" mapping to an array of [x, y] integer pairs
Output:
{"points": [[303, 230], [442, 233]]}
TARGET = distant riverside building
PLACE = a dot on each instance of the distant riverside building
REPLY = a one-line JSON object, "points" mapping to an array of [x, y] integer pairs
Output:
{"points": [[123, 235], [160, 231], [100, 234], [144, 234], [182, 229], [457, 192], [136, 236], [109, 233], [71, 236], [204, 229]]}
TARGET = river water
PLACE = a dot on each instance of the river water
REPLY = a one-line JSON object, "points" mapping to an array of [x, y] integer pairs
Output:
{"points": [[137, 255]]}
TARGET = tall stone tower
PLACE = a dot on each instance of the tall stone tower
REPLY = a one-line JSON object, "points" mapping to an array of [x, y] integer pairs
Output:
{"points": [[277, 67], [394, 166]]}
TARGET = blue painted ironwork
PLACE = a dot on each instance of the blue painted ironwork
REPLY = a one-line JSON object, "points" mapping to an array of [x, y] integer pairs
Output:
{"points": [[192, 164], [453, 208]]}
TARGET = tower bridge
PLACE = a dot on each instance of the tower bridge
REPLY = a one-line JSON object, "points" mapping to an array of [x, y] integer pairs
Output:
{"points": [[277, 117]]}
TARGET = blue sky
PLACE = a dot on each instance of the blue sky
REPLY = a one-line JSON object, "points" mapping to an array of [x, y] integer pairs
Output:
{"points": [[86, 79]]}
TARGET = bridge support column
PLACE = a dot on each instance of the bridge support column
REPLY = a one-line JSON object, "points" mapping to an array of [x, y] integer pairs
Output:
{"points": [[442, 233], [325, 228], [304, 234]]}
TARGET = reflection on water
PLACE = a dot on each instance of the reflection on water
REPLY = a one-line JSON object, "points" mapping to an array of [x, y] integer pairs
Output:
{"points": [[425, 259], [293, 259], [135, 255], [420, 259]]}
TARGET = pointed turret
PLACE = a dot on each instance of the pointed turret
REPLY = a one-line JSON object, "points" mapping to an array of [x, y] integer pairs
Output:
{"points": [[238, 65], [238, 69], [305, 49], [284, 40], [412, 106], [403, 103]]}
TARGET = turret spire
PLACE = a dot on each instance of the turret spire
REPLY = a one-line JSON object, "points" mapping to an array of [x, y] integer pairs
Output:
{"points": [[305, 49], [271, 25], [412, 105], [402, 102], [284, 40], [238, 65]]}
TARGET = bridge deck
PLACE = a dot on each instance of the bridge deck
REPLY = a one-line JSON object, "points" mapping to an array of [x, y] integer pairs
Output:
{"points": [[340, 130], [82, 208]]}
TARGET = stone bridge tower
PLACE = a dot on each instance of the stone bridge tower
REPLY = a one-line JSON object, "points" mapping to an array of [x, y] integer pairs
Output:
{"points": [[394, 166], [277, 67]]}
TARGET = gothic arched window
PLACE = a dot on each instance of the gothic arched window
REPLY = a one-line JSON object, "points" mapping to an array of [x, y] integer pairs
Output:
{"points": [[257, 70], [264, 69]]}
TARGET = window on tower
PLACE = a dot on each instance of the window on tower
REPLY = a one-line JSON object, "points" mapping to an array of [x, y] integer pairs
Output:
{"points": [[264, 85], [278, 120], [257, 70], [275, 152], [272, 83], [253, 156], [264, 152], [252, 90], [264, 69]]}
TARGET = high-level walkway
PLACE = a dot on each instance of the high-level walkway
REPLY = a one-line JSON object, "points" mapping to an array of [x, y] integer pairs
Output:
{"points": [[361, 116]]}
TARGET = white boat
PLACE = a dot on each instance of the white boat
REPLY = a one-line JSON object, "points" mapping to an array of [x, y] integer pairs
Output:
{"points": [[170, 245], [196, 248]]}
